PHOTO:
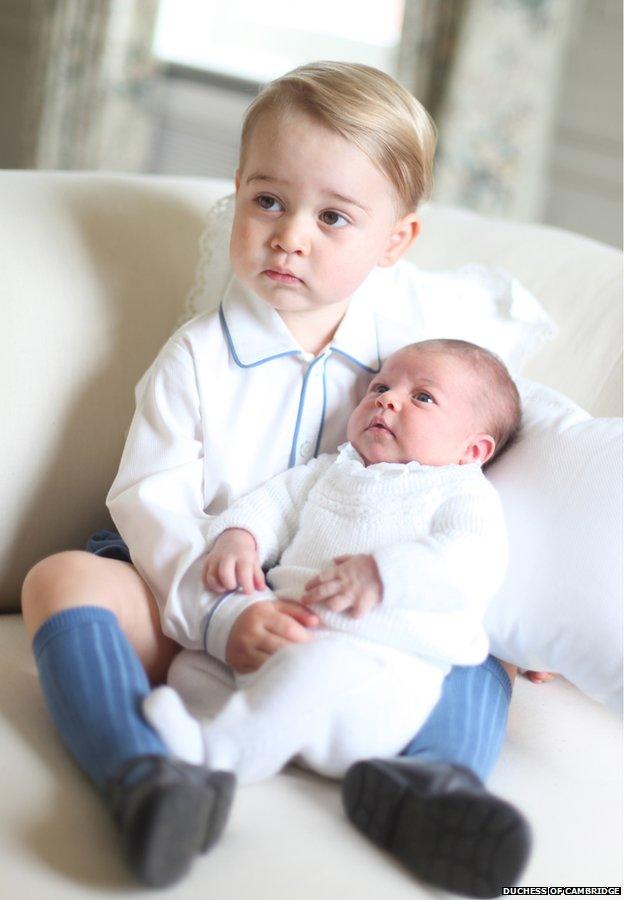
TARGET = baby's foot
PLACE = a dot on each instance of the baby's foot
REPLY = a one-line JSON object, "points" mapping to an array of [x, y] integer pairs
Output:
{"points": [[182, 734]]}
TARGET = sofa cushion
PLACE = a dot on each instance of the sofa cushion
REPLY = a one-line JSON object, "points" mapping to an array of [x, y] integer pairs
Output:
{"points": [[95, 273]]}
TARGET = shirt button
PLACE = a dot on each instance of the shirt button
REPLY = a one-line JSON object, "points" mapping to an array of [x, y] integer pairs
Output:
{"points": [[305, 450]]}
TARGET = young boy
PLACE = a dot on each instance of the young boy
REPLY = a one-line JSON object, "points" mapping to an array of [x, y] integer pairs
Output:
{"points": [[418, 540], [335, 159]]}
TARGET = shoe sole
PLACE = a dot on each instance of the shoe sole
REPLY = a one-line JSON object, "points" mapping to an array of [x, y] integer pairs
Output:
{"points": [[470, 843], [177, 822]]}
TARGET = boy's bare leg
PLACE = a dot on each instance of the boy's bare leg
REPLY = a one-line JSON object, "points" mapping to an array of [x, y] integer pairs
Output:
{"points": [[511, 670], [76, 578]]}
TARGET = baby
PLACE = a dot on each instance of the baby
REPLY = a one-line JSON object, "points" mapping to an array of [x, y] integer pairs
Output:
{"points": [[397, 543]]}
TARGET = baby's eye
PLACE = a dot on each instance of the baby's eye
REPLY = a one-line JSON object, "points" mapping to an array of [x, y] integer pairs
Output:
{"points": [[334, 219], [270, 204], [424, 397], [379, 388]]}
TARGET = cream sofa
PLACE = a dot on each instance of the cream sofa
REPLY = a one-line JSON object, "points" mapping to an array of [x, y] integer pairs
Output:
{"points": [[95, 271]]}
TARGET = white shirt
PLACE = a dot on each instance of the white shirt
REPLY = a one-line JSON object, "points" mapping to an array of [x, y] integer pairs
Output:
{"points": [[231, 400]]}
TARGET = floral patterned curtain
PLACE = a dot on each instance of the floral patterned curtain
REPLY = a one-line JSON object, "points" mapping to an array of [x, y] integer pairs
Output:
{"points": [[91, 82], [489, 72]]}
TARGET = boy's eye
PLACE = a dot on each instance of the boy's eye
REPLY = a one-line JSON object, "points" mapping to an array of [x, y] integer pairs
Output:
{"points": [[270, 204], [424, 397], [379, 388], [334, 219]]}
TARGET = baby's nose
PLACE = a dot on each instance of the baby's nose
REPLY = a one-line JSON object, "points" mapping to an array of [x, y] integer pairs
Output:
{"points": [[388, 400]]}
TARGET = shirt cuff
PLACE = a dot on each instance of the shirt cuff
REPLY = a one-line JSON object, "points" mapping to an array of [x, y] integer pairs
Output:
{"points": [[220, 620]]}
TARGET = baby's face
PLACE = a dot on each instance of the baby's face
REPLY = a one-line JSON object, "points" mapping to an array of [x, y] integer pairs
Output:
{"points": [[313, 215], [423, 406]]}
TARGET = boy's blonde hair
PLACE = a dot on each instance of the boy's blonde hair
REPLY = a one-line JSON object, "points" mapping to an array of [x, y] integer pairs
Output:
{"points": [[366, 107]]}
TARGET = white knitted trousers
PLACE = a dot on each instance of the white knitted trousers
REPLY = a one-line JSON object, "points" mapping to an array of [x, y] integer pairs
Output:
{"points": [[326, 704]]}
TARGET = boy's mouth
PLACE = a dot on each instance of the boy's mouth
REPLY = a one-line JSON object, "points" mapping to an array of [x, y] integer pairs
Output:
{"points": [[283, 276]]}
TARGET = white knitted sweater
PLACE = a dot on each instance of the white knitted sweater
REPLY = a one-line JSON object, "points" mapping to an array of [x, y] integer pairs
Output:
{"points": [[436, 532]]}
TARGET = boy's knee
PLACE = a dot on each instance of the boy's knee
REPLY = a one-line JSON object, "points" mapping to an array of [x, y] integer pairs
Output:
{"points": [[52, 570], [55, 583]]}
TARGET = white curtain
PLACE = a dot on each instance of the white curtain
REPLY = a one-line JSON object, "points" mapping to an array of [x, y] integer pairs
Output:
{"points": [[489, 70], [91, 82]]}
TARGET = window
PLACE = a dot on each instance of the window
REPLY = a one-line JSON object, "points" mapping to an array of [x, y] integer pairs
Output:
{"points": [[256, 42]]}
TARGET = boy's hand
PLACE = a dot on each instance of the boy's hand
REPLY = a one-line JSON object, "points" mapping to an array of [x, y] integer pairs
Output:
{"points": [[233, 562], [263, 628], [538, 677], [352, 583]]}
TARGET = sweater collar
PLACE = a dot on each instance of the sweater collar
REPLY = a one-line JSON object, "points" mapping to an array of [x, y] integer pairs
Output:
{"points": [[351, 461]]}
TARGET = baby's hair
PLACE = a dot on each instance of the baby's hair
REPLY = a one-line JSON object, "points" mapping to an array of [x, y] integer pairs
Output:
{"points": [[502, 405], [366, 107]]}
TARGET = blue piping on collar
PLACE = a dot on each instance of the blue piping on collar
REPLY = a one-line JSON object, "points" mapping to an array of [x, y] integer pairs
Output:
{"points": [[358, 363], [320, 434], [242, 365], [304, 387], [236, 358]]}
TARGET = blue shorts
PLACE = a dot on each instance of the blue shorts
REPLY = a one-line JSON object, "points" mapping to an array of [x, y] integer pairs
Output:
{"points": [[108, 544]]}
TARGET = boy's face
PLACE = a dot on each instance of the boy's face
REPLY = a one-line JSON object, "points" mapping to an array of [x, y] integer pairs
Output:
{"points": [[423, 406], [313, 215]]}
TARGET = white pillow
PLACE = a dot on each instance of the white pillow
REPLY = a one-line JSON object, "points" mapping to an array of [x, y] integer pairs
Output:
{"points": [[560, 608], [481, 304]]}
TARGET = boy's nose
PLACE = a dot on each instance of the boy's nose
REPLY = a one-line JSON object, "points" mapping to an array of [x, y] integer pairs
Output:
{"points": [[291, 237]]}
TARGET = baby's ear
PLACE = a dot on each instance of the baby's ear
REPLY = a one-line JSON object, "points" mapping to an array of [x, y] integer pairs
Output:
{"points": [[403, 236], [237, 180], [480, 449]]}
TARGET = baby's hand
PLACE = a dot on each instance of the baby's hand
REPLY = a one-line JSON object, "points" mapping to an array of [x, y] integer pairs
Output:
{"points": [[233, 562], [263, 628], [353, 584]]}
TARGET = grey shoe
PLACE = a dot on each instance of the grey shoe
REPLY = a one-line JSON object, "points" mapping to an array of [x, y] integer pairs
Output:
{"points": [[168, 812], [440, 822]]}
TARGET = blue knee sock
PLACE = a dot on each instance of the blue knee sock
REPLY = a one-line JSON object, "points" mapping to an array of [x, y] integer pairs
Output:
{"points": [[467, 726], [93, 684]]}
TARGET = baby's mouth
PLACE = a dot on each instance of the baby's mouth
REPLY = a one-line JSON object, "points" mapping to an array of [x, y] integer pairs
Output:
{"points": [[380, 426]]}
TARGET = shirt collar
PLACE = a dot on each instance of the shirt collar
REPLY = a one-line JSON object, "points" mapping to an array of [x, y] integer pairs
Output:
{"points": [[356, 336], [254, 331], [257, 334]]}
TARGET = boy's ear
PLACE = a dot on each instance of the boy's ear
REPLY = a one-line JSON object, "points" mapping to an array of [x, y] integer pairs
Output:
{"points": [[403, 236], [237, 180], [480, 449]]}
